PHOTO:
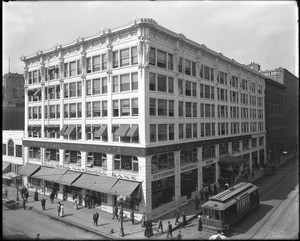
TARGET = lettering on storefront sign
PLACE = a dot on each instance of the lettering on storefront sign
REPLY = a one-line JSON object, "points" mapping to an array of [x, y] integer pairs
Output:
{"points": [[128, 177], [188, 167], [209, 162], [163, 174], [79, 169]]}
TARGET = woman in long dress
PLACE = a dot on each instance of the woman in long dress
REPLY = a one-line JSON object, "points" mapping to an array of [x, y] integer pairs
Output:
{"points": [[62, 211], [75, 204]]}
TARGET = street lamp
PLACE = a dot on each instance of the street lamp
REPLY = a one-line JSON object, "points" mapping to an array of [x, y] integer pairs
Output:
{"points": [[121, 199]]}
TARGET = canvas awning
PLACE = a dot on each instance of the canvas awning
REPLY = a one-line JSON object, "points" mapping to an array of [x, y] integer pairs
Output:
{"points": [[49, 174], [70, 130], [10, 175], [102, 131], [133, 131], [231, 160], [124, 187], [68, 178], [122, 130], [6, 167], [62, 131], [95, 183], [29, 169]]}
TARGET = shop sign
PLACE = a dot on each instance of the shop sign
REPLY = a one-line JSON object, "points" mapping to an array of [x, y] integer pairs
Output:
{"points": [[209, 162], [163, 174], [273, 73], [188, 167], [78, 169], [123, 176]]}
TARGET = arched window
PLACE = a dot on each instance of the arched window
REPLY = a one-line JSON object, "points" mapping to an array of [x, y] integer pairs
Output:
{"points": [[11, 149]]}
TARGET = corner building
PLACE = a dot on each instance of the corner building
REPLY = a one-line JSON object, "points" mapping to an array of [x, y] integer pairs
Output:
{"points": [[140, 111]]}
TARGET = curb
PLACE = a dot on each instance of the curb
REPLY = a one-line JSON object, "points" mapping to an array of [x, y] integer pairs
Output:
{"points": [[99, 233]]}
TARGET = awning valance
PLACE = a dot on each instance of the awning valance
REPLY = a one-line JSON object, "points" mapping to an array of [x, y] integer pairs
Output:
{"points": [[231, 160], [122, 130], [95, 183], [124, 187], [133, 131], [29, 169], [68, 178], [49, 174], [102, 131], [70, 130], [10, 175]]}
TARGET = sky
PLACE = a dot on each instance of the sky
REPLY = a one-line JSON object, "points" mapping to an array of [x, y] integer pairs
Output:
{"points": [[246, 31]]}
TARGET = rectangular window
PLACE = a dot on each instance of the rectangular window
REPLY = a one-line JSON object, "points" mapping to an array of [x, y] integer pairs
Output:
{"points": [[193, 69], [73, 69], [96, 109], [188, 88], [89, 87], [152, 82], [79, 110], [134, 55], [152, 133], [125, 107], [180, 65], [152, 107], [65, 111], [73, 89], [162, 132], [180, 131], [66, 70], [104, 62], [180, 108], [171, 132], [104, 108], [66, 90], [171, 108], [170, 85], [88, 109], [124, 57], [96, 63], [115, 84], [161, 83], [124, 82], [188, 109], [79, 89], [195, 130], [104, 85], [134, 81], [170, 61], [115, 59], [180, 86], [135, 107], [187, 67], [88, 65], [72, 110], [79, 69], [161, 59], [162, 107], [152, 56], [188, 131], [115, 108]]}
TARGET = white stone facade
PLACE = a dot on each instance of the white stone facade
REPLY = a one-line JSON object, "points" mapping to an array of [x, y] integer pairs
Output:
{"points": [[143, 49]]}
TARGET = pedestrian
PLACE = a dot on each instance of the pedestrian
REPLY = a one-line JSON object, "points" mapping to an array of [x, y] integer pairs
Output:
{"points": [[183, 219], [43, 201], [160, 225], [179, 235], [132, 216], [115, 212], [26, 195], [177, 216], [85, 200], [147, 230], [36, 195], [5, 193], [143, 220], [62, 211], [169, 230], [226, 186], [95, 218], [58, 209], [150, 228], [215, 189], [199, 223], [52, 196], [209, 190], [206, 194], [24, 203], [196, 202], [75, 204]]}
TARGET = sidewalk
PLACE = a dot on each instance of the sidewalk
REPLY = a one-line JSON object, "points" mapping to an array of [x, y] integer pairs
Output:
{"points": [[108, 227]]}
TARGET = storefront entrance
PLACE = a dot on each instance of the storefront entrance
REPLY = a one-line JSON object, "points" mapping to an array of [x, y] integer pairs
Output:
{"points": [[189, 182]]}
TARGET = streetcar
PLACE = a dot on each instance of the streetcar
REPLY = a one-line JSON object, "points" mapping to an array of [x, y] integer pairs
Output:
{"points": [[229, 206]]}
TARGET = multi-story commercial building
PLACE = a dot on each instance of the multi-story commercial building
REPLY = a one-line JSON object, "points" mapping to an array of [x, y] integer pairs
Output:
{"points": [[139, 111], [282, 114], [13, 101]]}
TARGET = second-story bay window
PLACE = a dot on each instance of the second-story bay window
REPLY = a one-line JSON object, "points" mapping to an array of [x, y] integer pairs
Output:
{"points": [[161, 59], [127, 163]]}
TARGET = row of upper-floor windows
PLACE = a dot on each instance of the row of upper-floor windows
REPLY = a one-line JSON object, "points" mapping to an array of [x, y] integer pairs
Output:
{"points": [[274, 109], [11, 149], [274, 97]]}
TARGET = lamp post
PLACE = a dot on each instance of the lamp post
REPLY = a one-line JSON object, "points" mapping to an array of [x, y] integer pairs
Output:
{"points": [[121, 199]]}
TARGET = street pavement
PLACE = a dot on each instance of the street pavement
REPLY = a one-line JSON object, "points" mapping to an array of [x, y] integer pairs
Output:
{"points": [[110, 228]]}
